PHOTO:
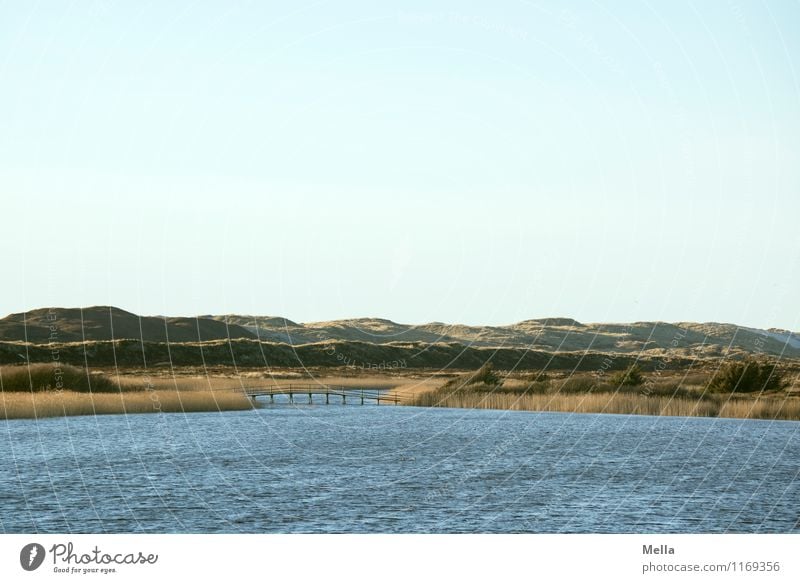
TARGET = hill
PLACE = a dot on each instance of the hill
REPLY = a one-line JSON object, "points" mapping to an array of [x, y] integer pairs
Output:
{"points": [[108, 323], [552, 335]]}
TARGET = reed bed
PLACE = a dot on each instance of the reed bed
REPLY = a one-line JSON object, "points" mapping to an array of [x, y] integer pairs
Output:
{"points": [[36, 405], [617, 403], [55, 390], [202, 383], [54, 377], [582, 385], [405, 389]]}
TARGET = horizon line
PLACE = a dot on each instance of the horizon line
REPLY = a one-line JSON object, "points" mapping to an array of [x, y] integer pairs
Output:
{"points": [[425, 323]]}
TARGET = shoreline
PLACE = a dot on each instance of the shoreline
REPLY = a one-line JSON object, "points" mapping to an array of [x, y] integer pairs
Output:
{"points": [[133, 391], [54, 404], [46, 405], [609, 404]]}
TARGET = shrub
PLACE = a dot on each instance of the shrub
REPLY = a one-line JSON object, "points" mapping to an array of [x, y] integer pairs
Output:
{"points": [[538, 377], [697, 379], [538, 388], [665, 388], [630, 377], [577, 385], [747, 376], [484, 375], [516, 387]]}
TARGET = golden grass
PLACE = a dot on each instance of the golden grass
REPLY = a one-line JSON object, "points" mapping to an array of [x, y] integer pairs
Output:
{"points": [[216, 382], [61, 403], [54, 377], [199, 383], [619, 403], [404, 388]]}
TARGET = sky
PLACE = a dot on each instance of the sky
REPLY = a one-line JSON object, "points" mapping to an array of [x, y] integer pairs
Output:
{"points": [[472, 162]]}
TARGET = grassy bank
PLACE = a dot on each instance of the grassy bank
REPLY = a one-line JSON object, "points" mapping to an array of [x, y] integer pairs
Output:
{"points": [[685, 396], [54, 377], [620, 403], [46, 390], [63, 403], [43, 390]]}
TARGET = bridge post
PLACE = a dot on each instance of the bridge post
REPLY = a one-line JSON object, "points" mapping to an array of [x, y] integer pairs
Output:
{"points": [[327, 396], [309, 397], [291, 397], [271, 397], [362, 396], [344, 398]]}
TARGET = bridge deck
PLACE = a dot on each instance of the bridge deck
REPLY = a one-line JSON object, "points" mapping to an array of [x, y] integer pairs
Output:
{"points": [[327, 391]]}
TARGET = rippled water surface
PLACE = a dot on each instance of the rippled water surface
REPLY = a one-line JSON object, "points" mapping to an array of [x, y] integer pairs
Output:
{"points": [[395, 469]]}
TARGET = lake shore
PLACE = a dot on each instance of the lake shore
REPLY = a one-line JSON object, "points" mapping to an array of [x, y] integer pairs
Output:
{"points": [[29, 394], [690, 394], [45, 404], [770, 407], [45, 390]]}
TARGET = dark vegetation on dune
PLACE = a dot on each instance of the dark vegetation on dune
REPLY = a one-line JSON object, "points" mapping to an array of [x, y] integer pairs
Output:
{"points": [[750, 375], [251, 353], [747, 376]]}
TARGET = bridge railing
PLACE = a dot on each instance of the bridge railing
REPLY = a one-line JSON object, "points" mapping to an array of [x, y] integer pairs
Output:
{"points": [[292, 389]]}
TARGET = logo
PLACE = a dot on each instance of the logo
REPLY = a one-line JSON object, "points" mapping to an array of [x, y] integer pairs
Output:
{"points": [[31, 556]]}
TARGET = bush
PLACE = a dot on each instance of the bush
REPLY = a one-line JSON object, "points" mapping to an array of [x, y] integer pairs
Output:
{"points": [[747, 376], [538, 388], [484, 375], [538, 377], [665, 388], [516, 388], [577, 385], [630, 377], [697, 379]]}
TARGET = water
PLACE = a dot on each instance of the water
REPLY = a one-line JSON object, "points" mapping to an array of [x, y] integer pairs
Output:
{"points": [[395, 469]]}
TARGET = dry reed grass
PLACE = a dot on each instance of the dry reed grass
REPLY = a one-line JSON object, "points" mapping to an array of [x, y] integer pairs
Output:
{"points": [[201, 383], [36, 405], [617, 403], [405, 389], [54, 376]]}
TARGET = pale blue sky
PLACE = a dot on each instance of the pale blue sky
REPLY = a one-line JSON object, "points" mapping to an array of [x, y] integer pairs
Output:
{"points": [[455, 161]]}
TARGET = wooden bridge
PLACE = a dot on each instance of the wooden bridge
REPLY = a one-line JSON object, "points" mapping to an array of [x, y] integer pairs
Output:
{"points": [[339, 394]]}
